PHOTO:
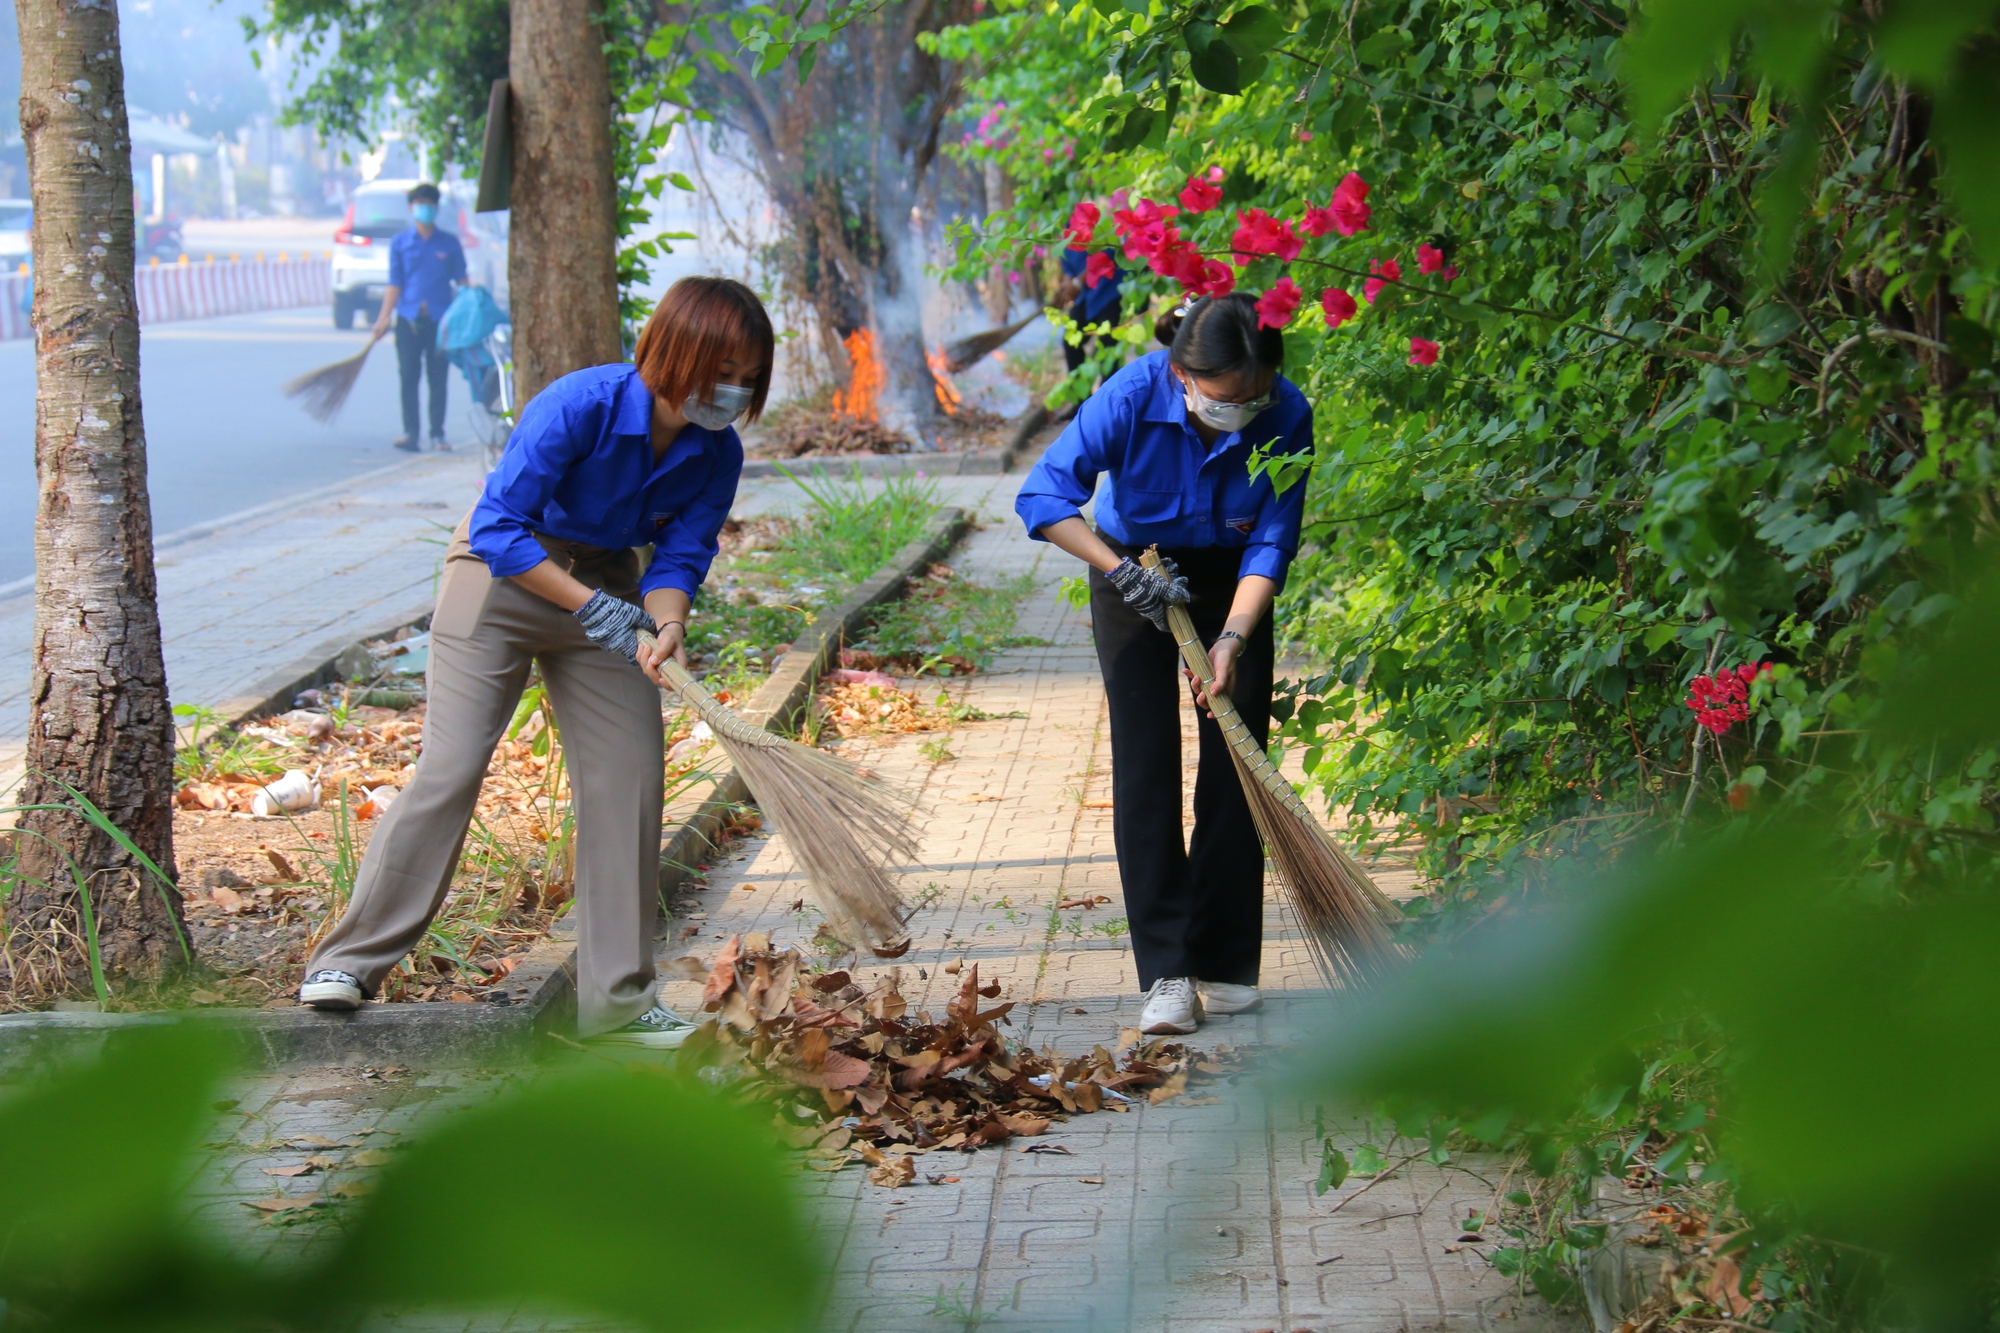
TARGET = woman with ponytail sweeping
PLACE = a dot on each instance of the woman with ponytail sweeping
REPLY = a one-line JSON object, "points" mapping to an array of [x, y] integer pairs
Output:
{"points": [[1174, 432]]}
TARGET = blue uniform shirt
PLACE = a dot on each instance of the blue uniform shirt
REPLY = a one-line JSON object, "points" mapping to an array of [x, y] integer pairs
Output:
{"points": [[1166, 485], [1100, 302], [425, 270], [580, 466]]}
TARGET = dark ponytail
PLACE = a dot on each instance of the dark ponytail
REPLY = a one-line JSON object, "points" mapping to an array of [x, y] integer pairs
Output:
{"points": [[1220, 335]]}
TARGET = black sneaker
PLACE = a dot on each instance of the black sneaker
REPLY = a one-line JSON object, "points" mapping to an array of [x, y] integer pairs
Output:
{"points": [[437, 443], [407, 445], [659, 1028]]}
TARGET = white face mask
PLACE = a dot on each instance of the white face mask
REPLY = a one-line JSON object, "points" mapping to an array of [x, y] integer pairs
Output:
{"points": [[726, 403], [1226, 417]]}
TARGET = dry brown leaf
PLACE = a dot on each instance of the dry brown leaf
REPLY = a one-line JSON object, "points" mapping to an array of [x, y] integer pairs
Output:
{"points": [[722, 974], [370, 1157], [285, 1203], [320, 1141], [1027, 1126], [894, 1173], [688, 968], [1174, 1086], [281, 865]]}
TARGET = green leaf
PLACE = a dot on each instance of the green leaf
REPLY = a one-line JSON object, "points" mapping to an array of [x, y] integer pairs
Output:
{"points": [[1368, 1160], [1138, 123], [612, 1151], [1253, 30], [1384, 48], [680, 182], [1210, 59], [808, 55], [1332, 1168]]}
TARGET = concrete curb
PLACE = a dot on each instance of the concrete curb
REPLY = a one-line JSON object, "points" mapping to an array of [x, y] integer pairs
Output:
{"points": [[539, 1004]]}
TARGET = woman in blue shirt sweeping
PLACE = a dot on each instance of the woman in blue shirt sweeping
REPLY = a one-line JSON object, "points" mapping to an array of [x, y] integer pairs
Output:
{"points": [[1174, 432], [543, 572]]}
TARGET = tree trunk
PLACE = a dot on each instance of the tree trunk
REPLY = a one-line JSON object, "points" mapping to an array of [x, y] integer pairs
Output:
{"points": [[99, 719], [562, 257]]}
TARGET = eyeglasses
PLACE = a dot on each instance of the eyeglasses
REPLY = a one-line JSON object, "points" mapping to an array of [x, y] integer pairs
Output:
{"points": [[1254, 406]]}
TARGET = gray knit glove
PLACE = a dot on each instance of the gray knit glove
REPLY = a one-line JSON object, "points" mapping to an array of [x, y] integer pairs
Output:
{"points": [[1150, 592], [613, 624]]}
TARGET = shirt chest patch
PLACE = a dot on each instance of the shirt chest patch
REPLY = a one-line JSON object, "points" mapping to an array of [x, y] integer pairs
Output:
{"points": [[1243, 525]]}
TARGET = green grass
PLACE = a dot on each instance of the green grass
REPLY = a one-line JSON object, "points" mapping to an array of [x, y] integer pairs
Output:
{"points": [[847, 531], [947, 624]]}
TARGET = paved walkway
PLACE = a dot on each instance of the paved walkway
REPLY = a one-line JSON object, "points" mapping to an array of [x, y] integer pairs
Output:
{"points": [[1191, 1215]]}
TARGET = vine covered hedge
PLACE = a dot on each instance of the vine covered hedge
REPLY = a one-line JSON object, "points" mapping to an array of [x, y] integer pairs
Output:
{"points": [[1653, 362]]}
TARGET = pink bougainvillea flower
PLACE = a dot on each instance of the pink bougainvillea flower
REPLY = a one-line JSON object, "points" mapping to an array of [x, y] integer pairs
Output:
{"points": [[1258, 233], [1097, 268], [1041, 252], [1423, 352], [1317, 221], [1082, 222], [1339, 306], [1429, 258], [1179, 260], [1386, 271], [1198, 195], [1720, 701], [1350, 205], [1450, 272], [1118, 198], [1276, 306], [1215, 175], [1146, 228], [1218, 279], [1305, 136]]}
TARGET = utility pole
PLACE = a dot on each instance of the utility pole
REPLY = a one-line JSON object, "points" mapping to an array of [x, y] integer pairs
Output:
{"points": [[99, 721]]}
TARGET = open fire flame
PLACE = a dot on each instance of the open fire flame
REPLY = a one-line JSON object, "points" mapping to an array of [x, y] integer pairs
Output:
{"points": [[864, 385], [947, 392]]}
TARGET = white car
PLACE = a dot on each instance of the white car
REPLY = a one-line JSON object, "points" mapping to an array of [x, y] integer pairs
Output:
{"points": [[380, 211], [14, 215]]}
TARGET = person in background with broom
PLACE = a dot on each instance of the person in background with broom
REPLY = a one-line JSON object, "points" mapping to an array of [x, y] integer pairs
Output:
{"points": [[543, 573], [425, 263], [1175, 430]]}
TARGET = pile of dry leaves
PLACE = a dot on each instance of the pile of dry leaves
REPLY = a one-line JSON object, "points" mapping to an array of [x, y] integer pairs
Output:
{"points": [[861, 1079], [860, 703], [796, 435]]}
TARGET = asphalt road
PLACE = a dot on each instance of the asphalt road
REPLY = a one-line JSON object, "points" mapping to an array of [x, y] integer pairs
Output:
{"points": [[220, 436]]}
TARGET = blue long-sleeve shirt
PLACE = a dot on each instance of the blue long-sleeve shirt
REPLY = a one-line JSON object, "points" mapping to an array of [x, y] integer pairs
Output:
{"points": [[1096, 304], [580, 466], [425, 271], [1167, 486]]}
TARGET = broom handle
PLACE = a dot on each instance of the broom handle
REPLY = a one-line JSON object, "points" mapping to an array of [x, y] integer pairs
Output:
{"points": [[723, 720], [1234, 729]]}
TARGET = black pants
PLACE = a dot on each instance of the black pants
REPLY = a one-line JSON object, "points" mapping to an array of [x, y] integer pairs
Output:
{"points": [[418, 354], [1196, 909], [1087, 345]]}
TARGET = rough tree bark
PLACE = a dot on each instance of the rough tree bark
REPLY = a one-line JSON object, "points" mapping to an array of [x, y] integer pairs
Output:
{"points": [[99, 720], [562, 260]]}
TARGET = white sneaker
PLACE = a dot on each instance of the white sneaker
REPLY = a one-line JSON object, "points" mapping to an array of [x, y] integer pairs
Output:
{"points": [[1171, 1006], [659, 1029], [1222, 997], [328, 989]]}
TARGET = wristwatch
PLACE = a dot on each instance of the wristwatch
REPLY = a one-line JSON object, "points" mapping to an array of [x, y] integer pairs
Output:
{"points": [[1231, 634]]}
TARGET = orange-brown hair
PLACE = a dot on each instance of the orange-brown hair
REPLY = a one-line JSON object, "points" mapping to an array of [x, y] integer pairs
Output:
{"points": [[694, 329]]}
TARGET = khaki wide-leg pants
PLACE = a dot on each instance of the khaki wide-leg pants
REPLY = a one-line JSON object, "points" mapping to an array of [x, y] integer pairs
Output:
{"points": [[484, 635]]}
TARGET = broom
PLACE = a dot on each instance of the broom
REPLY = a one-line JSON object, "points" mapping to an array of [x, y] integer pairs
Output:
{"points": [[965, 353], [323, 392], [842, 826], [1345, 916]]}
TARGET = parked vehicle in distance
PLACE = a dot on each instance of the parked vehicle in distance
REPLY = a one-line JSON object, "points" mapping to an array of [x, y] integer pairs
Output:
{"points": [[15, 215], [161, 241], [379, 212]]}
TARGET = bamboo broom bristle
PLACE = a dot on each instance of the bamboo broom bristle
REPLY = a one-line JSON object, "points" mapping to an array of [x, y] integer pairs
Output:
{"points": [[843, 826], [1344, 915], [323, 392]]}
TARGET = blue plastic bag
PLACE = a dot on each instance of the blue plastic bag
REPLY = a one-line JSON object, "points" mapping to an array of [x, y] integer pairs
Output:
{"points": [[472, 316]]}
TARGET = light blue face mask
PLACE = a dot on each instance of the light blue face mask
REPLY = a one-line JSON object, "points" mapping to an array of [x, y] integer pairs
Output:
{"points": [[726, 403], [424, 213]]}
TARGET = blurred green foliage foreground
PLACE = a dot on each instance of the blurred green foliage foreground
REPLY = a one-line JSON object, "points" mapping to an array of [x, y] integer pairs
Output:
{"points": [[645, 1201], [1843, 1013]]}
